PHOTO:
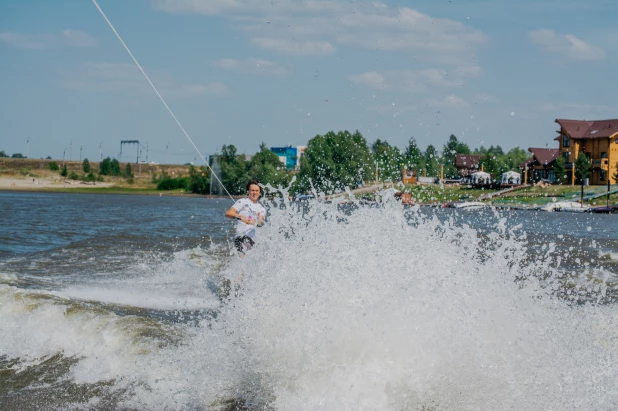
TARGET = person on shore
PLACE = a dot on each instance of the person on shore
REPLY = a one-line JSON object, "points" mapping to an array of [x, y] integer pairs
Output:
{"points": [[250, 214]]}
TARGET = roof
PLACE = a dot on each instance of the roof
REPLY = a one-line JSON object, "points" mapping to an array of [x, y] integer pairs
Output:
{"points": [[511, 173], [467, 160], [589, 129], [544, 156], [481, 174]]}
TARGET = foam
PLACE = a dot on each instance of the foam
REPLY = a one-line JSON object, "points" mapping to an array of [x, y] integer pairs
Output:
{"points": [[367, 310]]}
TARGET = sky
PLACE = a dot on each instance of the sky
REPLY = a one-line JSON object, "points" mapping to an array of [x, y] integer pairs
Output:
{"points": [[243, 72]]}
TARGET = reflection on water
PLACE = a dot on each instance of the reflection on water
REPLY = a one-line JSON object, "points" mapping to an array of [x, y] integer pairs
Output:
{"points": [[113, 302]]}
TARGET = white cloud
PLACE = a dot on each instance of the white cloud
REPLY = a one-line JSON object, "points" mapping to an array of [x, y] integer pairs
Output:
{"points": [[105, 76], [68, 37], [371, 79], [415, 80], [567, 45], [294, 47], [78, 38], [252, 66], [319, 26], [451, 101]]}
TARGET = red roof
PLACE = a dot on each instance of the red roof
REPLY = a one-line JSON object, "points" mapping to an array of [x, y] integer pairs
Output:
{"points": [[589, 129], [467, 160], [544, 156]]}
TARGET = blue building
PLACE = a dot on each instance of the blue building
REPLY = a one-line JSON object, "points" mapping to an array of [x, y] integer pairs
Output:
{"points": [[289, 156]]}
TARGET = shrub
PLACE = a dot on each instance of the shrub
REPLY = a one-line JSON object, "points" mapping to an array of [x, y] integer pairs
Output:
{"points": [[86, 165], [53, 166], [73, 176], [172, 183], [64, 171]]}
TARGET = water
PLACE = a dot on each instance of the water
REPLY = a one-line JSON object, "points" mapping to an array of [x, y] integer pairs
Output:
{"points": [[114, 302]]}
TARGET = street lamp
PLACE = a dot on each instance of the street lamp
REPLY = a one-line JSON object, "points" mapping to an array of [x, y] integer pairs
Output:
{"points": [[28, 151], [63, 153], [100, 152]]}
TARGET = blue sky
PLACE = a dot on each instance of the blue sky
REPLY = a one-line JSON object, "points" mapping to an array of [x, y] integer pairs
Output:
{"points": [[242, 72]]}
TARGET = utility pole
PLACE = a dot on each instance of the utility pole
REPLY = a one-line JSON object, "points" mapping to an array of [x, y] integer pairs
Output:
{"points": [[63, 153], [80, 154], [168, 144], [28, 144], [146, 152], [100, 152], [71, 151]]}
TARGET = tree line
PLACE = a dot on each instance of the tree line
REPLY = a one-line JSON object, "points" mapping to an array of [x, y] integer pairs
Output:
{"points": [[331, 162], [336, 160]]}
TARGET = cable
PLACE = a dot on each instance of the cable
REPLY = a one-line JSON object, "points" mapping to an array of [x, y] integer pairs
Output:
{"points": [[160, 97]]}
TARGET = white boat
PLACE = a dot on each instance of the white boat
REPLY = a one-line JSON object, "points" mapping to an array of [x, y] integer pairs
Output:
{"points": [[568, 206], [469, 205]]}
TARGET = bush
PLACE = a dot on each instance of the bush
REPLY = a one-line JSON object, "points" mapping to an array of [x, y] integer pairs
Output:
{"points": [[86, 165], [3, 154], [53, 166], [90, 177], [172, 183], [64, 171], [73, 176]]}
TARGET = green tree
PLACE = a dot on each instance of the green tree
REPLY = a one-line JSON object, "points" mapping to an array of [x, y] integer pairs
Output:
{"points": [[450, 149], [265, 167], [86, 165], [413, 156], [431, 161], [199, 180], [334, 161], [3, 154], [233, 169], [64, 172], [489, 163], [559, 170], [128, 173], [388, 160], [582, 167], [514, 158], [53, 166], [115, 168], [18, 155], [105, 167]]}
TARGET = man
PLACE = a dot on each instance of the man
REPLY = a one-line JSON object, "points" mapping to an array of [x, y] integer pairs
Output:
{"points": [[249, 213]]}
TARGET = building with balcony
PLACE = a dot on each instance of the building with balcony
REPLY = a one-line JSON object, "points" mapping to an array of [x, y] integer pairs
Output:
{"points": [[597, 139], [467, 164], [540, 166]]}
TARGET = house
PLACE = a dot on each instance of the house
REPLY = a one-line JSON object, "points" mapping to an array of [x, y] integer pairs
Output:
{"points": [[541, 165], [466, 164], [289, 156], [597, 139]]}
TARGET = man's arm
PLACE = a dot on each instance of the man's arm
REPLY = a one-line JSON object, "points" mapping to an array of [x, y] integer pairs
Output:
{"points": [[233, 214]]}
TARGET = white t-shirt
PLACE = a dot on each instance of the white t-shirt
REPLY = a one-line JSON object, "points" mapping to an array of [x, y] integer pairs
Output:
{"points": [[249, 209]]}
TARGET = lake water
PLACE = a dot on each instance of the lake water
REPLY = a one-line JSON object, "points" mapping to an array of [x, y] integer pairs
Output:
{"points": [[115, 302]]}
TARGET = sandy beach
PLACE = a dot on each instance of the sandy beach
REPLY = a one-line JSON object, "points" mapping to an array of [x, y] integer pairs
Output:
{"points": [[28, 183]]}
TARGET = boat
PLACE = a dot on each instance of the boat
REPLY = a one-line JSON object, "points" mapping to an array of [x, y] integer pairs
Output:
{"points": [[467, 205], [566, 206], [611, 209]]}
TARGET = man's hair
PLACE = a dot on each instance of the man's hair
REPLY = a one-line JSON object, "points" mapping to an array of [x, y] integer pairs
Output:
{"points": [[252, 182]]}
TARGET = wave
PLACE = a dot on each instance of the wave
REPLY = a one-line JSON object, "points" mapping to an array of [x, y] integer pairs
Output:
{"points": [[343, 309]]}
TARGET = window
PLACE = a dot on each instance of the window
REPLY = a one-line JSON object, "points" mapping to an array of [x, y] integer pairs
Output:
{"points": [[603, 175], [565, 140], [603, 154], [566, 156]]}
